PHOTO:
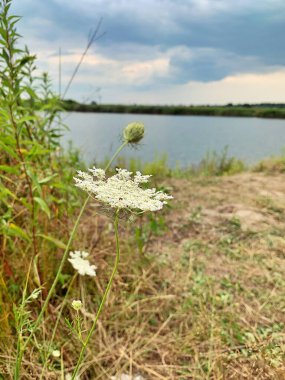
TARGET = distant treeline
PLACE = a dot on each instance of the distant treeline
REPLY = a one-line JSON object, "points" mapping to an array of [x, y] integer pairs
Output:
{"points": [[265, 110]]}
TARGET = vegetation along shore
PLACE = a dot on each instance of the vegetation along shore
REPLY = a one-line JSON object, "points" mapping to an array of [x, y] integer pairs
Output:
{"points": [[263, 110]]}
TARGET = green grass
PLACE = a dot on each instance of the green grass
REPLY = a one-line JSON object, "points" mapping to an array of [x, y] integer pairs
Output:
{"points": [[213, 164]]}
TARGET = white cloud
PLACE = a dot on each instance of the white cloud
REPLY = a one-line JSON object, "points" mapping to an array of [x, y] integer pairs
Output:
{"points": [[243, 88]]}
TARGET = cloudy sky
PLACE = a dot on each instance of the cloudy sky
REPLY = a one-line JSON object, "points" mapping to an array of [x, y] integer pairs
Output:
{"points": [[161, 51]]}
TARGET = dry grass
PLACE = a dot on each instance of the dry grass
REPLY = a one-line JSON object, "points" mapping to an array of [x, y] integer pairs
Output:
{"points": [[205, 301]]}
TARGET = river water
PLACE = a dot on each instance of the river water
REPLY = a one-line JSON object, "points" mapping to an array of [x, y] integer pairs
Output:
{"points": [[185, 139]]}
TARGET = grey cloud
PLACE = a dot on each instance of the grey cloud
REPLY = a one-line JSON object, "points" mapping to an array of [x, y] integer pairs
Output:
{"points": [[204, 64], [220, 38]]}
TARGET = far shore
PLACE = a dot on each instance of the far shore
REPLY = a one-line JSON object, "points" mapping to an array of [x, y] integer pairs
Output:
{"points": [[264, 110]]}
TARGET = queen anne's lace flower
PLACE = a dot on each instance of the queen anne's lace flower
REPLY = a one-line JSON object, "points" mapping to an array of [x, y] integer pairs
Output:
{"points": [[121, 191], [76, 304], [69, 377], [80, 263], [127, 377], [56, 353]]}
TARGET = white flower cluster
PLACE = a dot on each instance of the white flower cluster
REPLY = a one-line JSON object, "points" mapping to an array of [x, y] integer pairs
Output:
{"points": [[56, 353], [80, 263], [127, 377], [69, 377], [34, 295], [121, 191], [76, 304]]}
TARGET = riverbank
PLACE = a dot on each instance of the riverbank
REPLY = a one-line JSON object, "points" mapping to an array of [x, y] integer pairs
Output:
{"points": [[199, 293], [271, 111], [220, 297]]}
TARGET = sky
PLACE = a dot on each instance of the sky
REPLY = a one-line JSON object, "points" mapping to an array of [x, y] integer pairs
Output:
{"points": [[160, 51]]}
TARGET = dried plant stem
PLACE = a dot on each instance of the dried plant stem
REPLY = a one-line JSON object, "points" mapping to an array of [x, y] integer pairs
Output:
{"points": [[81, 356]]}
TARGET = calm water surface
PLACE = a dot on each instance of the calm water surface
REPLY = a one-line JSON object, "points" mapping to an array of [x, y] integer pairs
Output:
{"points": [[185, 139]]}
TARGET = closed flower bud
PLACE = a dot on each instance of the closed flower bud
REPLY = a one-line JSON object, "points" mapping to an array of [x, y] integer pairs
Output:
{"points": [[133, 133]]}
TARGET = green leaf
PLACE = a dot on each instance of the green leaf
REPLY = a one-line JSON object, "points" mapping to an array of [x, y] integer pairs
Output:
{"points": [[46, 179], [5, 55], [9, 169], [8, 150], [43, 205], [36, 151], [35, 181], [53, 240], [14, 230], [5, 191], [25, 119]]}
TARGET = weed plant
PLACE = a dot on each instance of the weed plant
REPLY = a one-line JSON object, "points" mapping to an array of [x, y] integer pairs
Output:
{"points": [[195, 295]]}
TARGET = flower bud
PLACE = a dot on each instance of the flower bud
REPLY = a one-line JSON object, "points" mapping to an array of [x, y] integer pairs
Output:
{"points": [[56, 353], [76, 304], [133, 133]]}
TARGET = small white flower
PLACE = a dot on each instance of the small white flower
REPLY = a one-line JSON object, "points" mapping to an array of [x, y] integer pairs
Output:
{"points": [[69, 377], [56, 353], [80, 263], [99, 173], [121, 191], [35, 294], [127, 377], [76, 304]]}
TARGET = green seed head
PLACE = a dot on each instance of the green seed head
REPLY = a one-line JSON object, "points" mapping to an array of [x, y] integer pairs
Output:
{"points": [[133, 133]]}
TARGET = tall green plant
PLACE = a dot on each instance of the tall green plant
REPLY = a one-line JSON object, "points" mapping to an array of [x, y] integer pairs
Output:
{"points": [[31, 192]]}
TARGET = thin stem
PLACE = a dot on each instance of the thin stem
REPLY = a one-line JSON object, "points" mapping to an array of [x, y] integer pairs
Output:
{"points": [[63, 260], [78, 326], [20, 349], [81, 356], [94, 37], [59, 72], [57, 323], [115, 155], [28, 180], [12, 91]]}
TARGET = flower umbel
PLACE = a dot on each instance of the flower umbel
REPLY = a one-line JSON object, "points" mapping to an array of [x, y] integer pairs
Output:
{"points": [[76, 304], [122, 191], [80, 263], [56, 353]]}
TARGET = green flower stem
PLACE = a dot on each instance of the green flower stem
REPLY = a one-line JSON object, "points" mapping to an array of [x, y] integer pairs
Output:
{"points": [[78, 326], [57, 323], [115, 155], [63, 260], [81, 356], [19, 327]]}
